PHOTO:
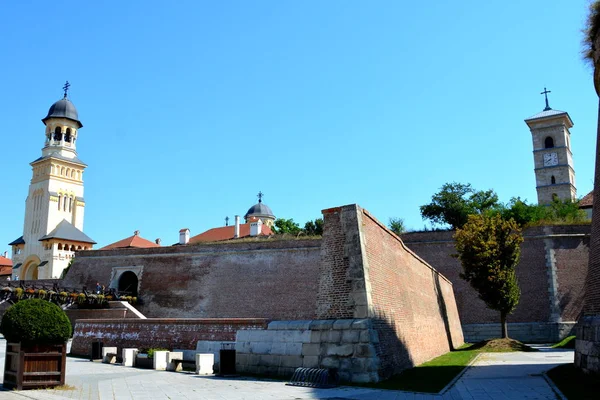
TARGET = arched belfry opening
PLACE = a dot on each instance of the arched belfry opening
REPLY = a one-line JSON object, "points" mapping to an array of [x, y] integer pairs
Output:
{"points": [[549, 143], [552, 180], [57, 134], [68, 135], [128, 283]]}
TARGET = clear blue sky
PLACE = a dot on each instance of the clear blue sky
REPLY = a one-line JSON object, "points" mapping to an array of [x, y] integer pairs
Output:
{"points": [[191, 107]]}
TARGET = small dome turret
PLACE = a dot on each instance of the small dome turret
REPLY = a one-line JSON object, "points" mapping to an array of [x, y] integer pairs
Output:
{"points": [[260, 211], [63, 108]]}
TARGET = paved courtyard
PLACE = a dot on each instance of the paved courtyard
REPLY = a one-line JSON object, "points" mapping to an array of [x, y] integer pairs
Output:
{"points": [[493, 376]]}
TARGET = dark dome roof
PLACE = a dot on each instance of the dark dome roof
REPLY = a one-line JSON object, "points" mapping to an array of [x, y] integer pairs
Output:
{"points": [[63, 109], [259, 209]]}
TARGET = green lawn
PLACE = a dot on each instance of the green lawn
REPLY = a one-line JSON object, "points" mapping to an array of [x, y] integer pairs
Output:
{"points": [[574, 384], [434, 375], [566, 343]]}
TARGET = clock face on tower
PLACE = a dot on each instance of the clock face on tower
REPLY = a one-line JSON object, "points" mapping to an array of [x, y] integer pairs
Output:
{"points": [[550, 159]]}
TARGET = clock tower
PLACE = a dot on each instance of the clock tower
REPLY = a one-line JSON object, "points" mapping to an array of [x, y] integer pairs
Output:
{"points": [[552, 157]]}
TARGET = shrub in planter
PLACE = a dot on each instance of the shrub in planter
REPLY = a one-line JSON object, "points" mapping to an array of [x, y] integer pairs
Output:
{"points": [[36, 331]]}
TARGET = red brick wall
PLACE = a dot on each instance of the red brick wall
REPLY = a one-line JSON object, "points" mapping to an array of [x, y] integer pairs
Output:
{"points": [[334, 299], [413, 305], [570, 245], [157, 332], [264, 279]]}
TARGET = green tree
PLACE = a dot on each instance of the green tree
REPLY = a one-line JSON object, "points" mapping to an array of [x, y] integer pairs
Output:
{"points": [[523, 213], [396, 225], [489, 248], [282, 225], [453, 204], [314, 228]]}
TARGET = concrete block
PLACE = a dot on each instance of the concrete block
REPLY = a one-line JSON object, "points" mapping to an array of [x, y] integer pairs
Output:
{"points": [[321, 324], [242, 359], [174, 361], [291, 361], [278, 325], [311, 349], [342, 323], [315, 337], [278, 348], [285, 372], [129, 357], [364, 350], [293, 349], [253, 359], [299, 325], [261, 347], [333, 336], [160, 360], [330, 362], [350, 336], [242, 336], [343, 350], [106, 350], [269, 360], [361, 324], [364, 336], [310, 362]]}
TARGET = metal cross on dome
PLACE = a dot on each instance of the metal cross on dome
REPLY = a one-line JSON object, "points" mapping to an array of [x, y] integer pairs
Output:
{"points": [[260, 196], [66, 88], [226, 221], [545, 93]]}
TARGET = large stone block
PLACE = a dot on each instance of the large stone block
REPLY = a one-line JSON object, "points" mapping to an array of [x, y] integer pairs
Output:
{"points": [[310, 362], [311, 349], [330, 362], [278, 348], [291, 361], [343, 323], [350, 336], [333, 336], [321, 324], [344, 350], [160, 360], [129, 357]]}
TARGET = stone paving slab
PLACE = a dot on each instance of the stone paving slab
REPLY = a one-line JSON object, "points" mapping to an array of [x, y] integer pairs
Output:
{"points": [[496, 376]]}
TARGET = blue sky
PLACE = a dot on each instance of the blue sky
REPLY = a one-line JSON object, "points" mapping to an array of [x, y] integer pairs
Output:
{"points": [[191, 107]]}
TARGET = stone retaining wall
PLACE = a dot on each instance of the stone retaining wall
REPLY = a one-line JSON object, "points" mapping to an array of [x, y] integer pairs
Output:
{"points": [[587, 346], [533, 332], [346, 345], [168, 333]]}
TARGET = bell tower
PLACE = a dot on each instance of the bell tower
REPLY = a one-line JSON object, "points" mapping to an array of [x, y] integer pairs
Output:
{"points": [[552, 156], [54, 208]]}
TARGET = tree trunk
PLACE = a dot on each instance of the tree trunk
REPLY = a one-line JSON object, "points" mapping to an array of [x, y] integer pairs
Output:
{"points": [[504, 324]]}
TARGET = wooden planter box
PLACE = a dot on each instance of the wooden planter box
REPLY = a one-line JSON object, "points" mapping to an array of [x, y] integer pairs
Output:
{"points": [[34, 366]]}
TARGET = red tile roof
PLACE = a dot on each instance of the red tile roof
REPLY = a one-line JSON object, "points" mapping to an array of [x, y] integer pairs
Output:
{"points": [[587, 201], [226, 233], [5, 262], [5, 271], [131, 241]]}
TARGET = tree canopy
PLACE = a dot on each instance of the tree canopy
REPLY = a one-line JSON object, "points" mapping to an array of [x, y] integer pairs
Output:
{"points": [[396, 225], [489, 248], [314, 228], [453, 204], [282, 225]]}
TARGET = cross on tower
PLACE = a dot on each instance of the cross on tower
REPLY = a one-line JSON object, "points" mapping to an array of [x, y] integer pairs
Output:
{"points": [[260, 196], [226, 221], [545, 93], [66, 88]]}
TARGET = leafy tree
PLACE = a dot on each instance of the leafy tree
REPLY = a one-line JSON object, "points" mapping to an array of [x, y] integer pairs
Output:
{"points": [[282, 225], [454, 203], [396, 225], [566, 211], [314, 228], [489, 248], [535, 214]]}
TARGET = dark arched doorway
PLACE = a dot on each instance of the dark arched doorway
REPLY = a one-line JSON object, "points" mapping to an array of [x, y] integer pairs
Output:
{"points": [[128, 283]]}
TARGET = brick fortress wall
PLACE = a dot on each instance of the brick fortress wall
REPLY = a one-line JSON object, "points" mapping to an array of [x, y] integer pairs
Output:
{"points": [[367, 272], [551, 276], [265, 279]]}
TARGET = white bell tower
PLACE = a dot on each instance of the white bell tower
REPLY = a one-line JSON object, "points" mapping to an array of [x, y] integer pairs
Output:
{"points": [[53, 228]]}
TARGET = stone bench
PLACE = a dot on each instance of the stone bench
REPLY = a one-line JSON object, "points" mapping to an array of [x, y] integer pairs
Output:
{"points": [[109, 355], [174, 361], [129, 357]]}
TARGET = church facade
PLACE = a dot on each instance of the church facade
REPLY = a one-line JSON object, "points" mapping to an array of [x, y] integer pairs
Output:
{"points": [[54, 208]]}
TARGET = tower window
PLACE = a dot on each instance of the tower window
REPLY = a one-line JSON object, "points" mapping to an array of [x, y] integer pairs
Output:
{"points": [[552, 180], [57, 134], [549, 143], [68, 135]]}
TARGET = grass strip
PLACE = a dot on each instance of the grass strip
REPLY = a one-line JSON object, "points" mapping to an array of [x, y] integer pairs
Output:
{"points": [[434, 375], [566, 343]]}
